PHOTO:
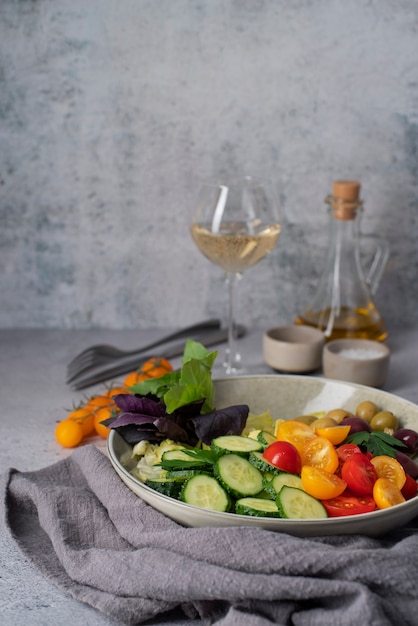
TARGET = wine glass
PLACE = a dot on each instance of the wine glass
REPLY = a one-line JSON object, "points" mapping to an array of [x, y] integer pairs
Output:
{"points": [[235, 225]]}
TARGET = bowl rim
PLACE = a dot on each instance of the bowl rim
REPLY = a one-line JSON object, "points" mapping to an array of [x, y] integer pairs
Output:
{"points": [[303, 335]]}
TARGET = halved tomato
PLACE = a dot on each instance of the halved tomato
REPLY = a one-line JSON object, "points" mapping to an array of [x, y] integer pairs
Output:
{"points": [[335, 434], [386, 494], [296, 433], [319, 452], [359, 474], [390, 468], [321, 484], [346, 450], [349, 504]]}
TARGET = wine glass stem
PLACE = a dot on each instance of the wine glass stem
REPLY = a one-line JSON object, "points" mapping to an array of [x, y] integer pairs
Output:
{"points": [[232, 358]]}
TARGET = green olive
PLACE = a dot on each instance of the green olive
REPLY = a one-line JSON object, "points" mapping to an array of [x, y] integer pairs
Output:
{"points": [[338, 414], [384, 419], [366, 410], [306, 419], [324, 422]]}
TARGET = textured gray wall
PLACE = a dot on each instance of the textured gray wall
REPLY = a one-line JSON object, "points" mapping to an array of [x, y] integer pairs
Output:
{"points": [[110, 111]]}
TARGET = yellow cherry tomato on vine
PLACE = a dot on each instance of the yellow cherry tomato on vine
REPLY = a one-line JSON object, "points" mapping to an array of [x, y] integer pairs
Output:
{"points": [[68, 433]]}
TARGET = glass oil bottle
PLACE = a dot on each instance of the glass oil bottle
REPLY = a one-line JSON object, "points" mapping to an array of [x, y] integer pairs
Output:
{"points": [[343, 306]]}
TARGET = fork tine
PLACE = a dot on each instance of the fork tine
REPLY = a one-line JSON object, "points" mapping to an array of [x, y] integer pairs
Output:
{"points": [[216, 336], [89, 357], [84, 361]]}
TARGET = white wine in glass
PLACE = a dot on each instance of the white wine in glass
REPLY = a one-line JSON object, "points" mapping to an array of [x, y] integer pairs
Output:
{"points": [[235, 225]]}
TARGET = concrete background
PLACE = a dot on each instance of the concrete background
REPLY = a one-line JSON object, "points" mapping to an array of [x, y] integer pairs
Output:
{"points": [[111, 111]]}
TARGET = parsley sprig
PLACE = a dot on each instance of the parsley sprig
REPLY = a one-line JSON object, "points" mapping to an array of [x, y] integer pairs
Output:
{"points": [[376, 442]]}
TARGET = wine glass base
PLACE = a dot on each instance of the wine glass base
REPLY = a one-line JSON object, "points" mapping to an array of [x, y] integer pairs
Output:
{"points": [[232, 367]]}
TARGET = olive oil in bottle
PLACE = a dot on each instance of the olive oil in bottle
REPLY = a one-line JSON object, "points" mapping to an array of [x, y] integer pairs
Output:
{"points": [[343, 306]]}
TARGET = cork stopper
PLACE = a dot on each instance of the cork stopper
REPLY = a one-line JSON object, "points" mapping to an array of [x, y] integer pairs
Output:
{"points": [[345, 199], [346, 190]]}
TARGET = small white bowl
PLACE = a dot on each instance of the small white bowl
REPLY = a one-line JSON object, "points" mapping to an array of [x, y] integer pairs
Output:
{"points": [[359, 361], [293, 348]]}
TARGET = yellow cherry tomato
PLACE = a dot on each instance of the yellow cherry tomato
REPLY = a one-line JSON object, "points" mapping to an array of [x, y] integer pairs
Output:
{"points": [[386, 494], [102, 414], [296, 433], [390, 468], [319, 452], [85, 418], [68, 433], [321, 484], [334, 434]]}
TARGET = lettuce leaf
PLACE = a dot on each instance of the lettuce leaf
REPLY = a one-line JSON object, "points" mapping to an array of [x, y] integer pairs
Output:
{"points": [[193, 382]]}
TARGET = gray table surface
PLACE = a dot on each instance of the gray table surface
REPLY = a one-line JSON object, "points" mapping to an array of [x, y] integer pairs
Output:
{"points": [[34, 396]]}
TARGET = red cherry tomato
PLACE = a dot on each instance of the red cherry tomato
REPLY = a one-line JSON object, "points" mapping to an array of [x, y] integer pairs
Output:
{"points": [[410, 488], [359, 474], [346, 450], [284, 456], [349, 504]]}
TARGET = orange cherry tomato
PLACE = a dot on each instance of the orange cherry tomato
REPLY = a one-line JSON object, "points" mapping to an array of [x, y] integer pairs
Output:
{"points": [[68, 433], [85, 418], [102, 414], [115, 391], [390, 468], [156, 367], [319, 452], [96, 402], [334, 434], [135, 377], [296, 433], [321, 484], [386, 494]]}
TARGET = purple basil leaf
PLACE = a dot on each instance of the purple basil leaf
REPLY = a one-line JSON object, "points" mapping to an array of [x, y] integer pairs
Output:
{"points": [[123, 419], [187, 411], [229, 421], [171, 430], [132, 435], [128, 403]]}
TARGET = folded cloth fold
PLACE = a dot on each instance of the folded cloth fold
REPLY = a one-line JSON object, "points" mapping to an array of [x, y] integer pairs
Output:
{"points": [[88, 533]]}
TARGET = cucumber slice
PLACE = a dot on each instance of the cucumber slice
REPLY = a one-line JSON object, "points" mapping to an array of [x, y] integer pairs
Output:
{"points": [[265, 438], [205, 492], [275, 484], [166, 487], [238, 476], [183, 474], [257, 459], [293, 503], [236, 444], [257, 507]]}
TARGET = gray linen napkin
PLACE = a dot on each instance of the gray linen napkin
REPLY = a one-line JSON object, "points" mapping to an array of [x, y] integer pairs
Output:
{"points": [[88, 533]]}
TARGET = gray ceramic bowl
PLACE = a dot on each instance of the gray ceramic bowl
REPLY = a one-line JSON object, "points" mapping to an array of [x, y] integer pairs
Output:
{"points": [[356, 361], [293, 348]]}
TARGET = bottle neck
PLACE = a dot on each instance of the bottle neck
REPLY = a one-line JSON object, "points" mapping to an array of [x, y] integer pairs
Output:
{"points": [[344, 210]]}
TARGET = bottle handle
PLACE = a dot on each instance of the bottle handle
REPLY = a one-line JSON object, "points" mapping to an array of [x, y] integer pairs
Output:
{"points": [[378, 262]]}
